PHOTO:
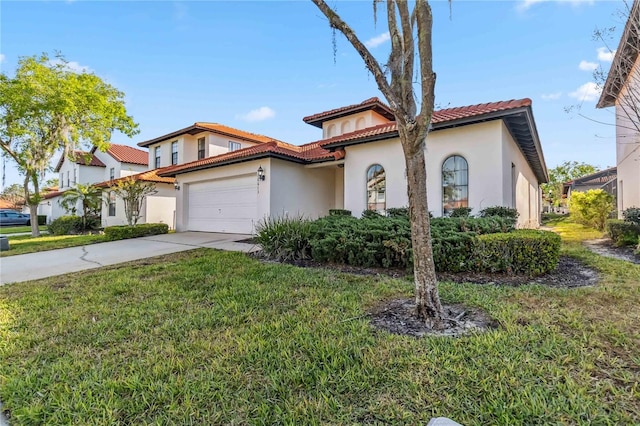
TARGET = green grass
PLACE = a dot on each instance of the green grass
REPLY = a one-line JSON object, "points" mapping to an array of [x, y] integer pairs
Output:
{"points": [[6, 230], [208, 337], [23, 244], [573, 232]]}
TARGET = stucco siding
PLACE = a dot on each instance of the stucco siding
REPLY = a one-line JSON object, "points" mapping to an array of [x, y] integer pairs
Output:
{"points": [[211, 175], [298, 190], [350, 123]]}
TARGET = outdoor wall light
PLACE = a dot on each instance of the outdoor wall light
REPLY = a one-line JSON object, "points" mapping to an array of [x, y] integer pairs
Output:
{"points": [[261, 175], [176, 186]]}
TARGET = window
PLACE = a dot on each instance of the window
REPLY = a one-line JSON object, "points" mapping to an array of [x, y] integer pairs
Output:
{"points": [[234, 146], [68, 184], [61, 180], [112, 173], [455, 184], [200, 148], [75, 176], [174, 152], [376, 188], [156, 152], [112, 203]]}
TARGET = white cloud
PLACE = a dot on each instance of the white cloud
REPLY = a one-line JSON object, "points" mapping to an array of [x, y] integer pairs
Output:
{"points": [[377, 40], [2, 58], [587, 92], [587, 66], [605, 54], [551, 96], [73, 66], [526, 4], [262, 113]]}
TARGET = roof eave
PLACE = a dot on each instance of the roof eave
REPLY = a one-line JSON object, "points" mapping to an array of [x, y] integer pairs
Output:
{"points": [[260, 155]]}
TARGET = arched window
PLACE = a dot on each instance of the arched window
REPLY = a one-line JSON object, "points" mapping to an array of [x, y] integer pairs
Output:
{"points": [[346, 127], [360, 123], [455, 184], [331, 131], [376, 188]]}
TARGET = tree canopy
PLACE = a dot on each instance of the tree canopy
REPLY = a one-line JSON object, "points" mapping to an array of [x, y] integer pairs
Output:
{"points": [[47, 108], [569, 170]]}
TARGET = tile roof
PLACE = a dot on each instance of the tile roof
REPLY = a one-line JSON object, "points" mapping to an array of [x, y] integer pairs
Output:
{"points": [[128, 154], [146, 176], [199, 127], [368, 104], [83, 158]]}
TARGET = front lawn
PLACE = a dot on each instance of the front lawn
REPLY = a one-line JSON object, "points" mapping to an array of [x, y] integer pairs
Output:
{"points": [[23, 244], [209, 337], [6, 230]]}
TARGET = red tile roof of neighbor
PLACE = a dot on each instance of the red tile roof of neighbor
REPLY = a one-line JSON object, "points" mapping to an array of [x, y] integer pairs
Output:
{"points": [[147, 176], [128, 154], [368, 104], [221, 129], [83, 158]]}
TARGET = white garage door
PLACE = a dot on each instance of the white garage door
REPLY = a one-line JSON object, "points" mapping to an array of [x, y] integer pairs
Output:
{"points": [[223, 205]]}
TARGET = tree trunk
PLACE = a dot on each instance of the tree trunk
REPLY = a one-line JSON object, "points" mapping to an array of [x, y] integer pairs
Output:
{"points": [[33, 208], [428, 306]]}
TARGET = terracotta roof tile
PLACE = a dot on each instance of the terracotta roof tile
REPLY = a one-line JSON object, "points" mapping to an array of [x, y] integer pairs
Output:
{"points": [[128, 154], [147, 176], [371, 103], [199, 127], [83, 158]]}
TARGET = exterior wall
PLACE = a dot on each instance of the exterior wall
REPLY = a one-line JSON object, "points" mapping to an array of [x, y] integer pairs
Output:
{"points": [[628, 142], [85, 174], [120, 169], [215, 144], [263, 188], [298, 190], [157, 208], [526, 187], [56, 209], [351, 123], [480, 144], [339, 188]]}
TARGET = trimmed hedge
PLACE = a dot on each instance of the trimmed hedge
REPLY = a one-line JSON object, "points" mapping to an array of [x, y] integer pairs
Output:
{"points": [[66, 225], [123, 232], [623, 233], [522, 251]]}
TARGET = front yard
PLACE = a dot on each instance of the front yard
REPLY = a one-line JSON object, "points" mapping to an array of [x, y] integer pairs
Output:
{"points": [[208, 337], [23, 244]]}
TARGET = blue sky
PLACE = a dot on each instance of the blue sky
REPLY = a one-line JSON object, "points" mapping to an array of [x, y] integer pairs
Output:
{"points": [[262, 66]]}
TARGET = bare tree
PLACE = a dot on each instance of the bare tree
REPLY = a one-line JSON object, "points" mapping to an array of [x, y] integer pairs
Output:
{"points": [[397, 86]]}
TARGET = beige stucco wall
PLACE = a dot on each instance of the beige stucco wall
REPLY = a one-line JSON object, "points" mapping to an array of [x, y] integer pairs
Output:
{"points": [[351, 123], [298, 190], [85, 174], [210, 175], [628, 142], [120, 169], [162, 204]]}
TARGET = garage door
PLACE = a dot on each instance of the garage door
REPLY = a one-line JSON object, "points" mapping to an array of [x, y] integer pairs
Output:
{"points": [[223, 205]]}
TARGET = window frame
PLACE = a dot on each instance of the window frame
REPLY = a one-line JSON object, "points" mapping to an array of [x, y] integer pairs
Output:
{"points": [[174, 153], [157, 156], [112, 173], [379, 194], [233, 144], [457, 201], [112, 204], [201, 149]]}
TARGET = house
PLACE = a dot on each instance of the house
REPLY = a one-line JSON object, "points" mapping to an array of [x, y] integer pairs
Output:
{"points": [[92, 167], [604, 179], [622, 90], [476, 156]]}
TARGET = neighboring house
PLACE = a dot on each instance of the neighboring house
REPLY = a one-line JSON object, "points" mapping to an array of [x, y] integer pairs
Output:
{"points": [[604, 179], [91, 168], [622, 90], [476, 156]]}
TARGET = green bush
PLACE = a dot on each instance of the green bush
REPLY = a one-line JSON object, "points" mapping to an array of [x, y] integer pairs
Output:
{"points": [[398, 212], [371, 214], [284, 238], [591, 208], [632, 215], [547, 217], [339, 212], [42, 219], [461, 212], [523, 251], [66, 225], [500, 211], [623, 233], [123, 232]]}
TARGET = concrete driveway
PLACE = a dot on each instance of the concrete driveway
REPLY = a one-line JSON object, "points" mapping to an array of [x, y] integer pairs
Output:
{"points": [[34, 266]]}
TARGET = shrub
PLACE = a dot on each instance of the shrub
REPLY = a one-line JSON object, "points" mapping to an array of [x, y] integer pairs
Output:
{"points": [[461, 212], [547, 217], [123, 232], [591, 208], [398, 212], [623, 233], [285, 238], [66, 225], [524, 251], [500, 211], [339, 212], [371, 214], [632, 215]]}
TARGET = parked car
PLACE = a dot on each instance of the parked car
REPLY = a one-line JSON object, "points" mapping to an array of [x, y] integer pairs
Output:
{"points": [[13, 218]]}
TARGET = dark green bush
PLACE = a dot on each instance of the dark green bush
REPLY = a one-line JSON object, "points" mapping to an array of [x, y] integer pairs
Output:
{"points": [[123, 232], [632, 215], [398, 212], [461, 212], [284, 238], [42, 219], [339, 212], [623, 233], [66, 225], [547, 217], [371, 214], [499, 211], [523, 251]]}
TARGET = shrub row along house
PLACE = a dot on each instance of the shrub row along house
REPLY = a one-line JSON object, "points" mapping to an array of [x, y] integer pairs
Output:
{"points": [[226, 180]]}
